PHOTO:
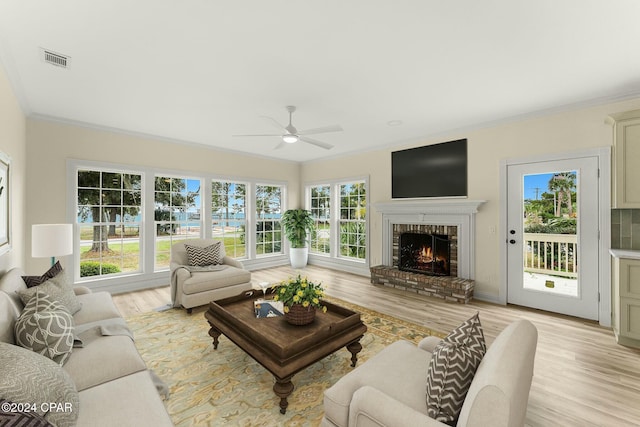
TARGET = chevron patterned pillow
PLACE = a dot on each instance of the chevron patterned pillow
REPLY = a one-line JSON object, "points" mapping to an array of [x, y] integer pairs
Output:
{"points": [[453, 365], [201, 257], [46, 327]]}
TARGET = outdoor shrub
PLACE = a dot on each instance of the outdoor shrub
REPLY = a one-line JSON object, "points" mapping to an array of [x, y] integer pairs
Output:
{"points": [[554, 226], [92, 268]]}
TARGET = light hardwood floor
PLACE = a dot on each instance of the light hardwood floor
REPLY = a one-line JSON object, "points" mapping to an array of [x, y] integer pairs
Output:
{"points": [[582, 377]]}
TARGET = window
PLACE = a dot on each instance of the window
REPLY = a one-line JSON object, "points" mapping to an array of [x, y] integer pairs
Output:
{"points": [[228, 215], [339, 210], [268, 214], [321, 213], [353, 212], [176, 214], [108, 214], [126, 220]]}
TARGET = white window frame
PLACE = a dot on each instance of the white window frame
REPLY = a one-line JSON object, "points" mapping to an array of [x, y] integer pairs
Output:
{"points": [[339, 220], [333, 259], [78, 226], [309, 206], [247, 230], [283, 207], [174, 237], [148, 277]]}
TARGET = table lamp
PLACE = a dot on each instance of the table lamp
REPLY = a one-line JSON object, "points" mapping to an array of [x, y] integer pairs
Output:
{"points": [[51, 240]]}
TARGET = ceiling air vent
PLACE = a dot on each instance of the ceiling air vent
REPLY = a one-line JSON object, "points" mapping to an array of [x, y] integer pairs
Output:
{"points": [[56, 59]]}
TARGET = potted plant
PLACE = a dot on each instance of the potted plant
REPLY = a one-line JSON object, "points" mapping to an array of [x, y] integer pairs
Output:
{"points": [[300, 298], [297, 223]]}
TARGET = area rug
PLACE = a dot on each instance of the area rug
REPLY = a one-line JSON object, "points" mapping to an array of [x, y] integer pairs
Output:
{"points": [[227, 387]]}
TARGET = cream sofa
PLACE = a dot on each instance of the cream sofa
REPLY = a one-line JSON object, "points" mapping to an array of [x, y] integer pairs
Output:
{"points": [[113, 384], [389, 389], [193, 286]]}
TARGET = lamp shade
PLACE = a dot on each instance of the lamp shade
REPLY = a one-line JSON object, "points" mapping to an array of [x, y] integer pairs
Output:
{"points": [[51, 240]]}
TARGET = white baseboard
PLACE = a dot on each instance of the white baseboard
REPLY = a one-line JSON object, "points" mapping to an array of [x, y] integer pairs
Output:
{"points": [[481, 296], [267, 262], [335, 264], [121, 285]]}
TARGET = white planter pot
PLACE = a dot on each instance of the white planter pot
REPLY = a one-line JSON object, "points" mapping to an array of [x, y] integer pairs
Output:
{"points": [[298, 257]]}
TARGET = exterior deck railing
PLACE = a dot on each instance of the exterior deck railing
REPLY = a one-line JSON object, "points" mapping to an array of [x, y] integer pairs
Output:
{"points": [[554, 254]]}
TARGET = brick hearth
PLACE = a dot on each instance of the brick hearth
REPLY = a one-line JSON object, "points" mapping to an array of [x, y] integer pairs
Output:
{"points": [[449, 288]]}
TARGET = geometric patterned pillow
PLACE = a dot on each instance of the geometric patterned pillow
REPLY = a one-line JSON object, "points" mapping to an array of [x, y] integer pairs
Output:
{"points": [[453, 365], [59, 289], [201, 257], [46, 327], [28, 377], [32, 281]]}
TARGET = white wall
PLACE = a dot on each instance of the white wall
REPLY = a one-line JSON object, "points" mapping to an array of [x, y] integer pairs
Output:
{"points": [[552, 133], [50, 144], [13, 144]]}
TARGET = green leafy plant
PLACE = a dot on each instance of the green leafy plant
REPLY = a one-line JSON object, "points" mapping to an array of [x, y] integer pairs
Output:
{"points": [[297, 223], [554, 226], [299, 290], [92, 268]]}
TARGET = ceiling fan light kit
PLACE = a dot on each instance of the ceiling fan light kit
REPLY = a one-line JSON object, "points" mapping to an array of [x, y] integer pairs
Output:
{"points": [[290, 139], [291, 135]]}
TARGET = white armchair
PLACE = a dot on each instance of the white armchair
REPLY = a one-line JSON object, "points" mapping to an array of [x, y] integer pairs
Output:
{"points": [[193, 286], [388, 390]]}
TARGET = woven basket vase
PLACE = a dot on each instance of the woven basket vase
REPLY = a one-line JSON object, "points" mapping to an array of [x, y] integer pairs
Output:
{"points": [[299, 315]]}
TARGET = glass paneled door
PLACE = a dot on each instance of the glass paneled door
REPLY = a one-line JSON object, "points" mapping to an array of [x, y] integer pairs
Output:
{"points": [[552, 236]]}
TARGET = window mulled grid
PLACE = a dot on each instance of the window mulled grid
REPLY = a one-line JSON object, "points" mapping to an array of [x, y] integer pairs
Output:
{"points": [[352, 222], [320, 207], [268, 202], [228, 216], [177, 215], [108, 221]]}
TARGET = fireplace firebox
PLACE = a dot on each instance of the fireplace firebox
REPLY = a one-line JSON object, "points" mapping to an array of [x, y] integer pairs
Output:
{"points": [[424, 253]]}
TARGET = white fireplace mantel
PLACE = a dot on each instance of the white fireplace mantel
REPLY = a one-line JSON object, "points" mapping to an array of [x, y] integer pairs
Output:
{"points": [[440, 206], [452, 212]]}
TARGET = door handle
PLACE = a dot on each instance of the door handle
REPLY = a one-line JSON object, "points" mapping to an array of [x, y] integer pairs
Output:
{"points": [[512, 241]]}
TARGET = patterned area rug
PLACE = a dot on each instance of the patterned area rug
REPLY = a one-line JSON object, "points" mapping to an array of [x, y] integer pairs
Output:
{"points": [[226, 386]]}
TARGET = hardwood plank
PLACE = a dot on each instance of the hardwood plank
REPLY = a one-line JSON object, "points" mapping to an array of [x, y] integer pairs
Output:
{"points": [[582, 377]]}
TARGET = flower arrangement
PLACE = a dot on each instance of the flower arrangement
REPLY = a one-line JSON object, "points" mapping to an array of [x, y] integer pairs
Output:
{"points": [[301, 291]]}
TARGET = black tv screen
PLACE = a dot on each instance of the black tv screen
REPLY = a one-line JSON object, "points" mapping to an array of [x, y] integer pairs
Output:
{"points": [[438, 170]]}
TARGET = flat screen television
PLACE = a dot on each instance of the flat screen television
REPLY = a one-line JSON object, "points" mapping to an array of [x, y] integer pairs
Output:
{"points": [[438, 170]]}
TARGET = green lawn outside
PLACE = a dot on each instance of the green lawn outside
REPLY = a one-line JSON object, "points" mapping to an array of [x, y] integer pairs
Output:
{"points": [[126, 255]]}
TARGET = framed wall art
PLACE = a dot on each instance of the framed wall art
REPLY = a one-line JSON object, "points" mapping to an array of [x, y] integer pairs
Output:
{"points": [[5, 208]]}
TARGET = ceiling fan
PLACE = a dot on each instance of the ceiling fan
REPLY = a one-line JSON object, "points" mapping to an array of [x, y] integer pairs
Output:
{"points": [[291, 135]]}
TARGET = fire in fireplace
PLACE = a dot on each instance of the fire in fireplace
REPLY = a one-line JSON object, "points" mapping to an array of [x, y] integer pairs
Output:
{"points": [[424, 253]]}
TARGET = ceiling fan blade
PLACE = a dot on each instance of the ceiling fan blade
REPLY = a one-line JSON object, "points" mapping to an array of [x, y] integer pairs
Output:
{"points": [[274, 122], [325, 129], [266, 134], [316, 143], [279, 146]]}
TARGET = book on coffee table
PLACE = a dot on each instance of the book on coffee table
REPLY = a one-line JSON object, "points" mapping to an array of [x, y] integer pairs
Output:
{"points": [[268, 308]]}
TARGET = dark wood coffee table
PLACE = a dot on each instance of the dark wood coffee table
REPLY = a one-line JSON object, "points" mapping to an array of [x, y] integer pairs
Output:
{"points": [[284, 349]]}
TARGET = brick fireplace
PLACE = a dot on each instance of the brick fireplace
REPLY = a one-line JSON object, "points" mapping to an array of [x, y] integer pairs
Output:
{"points": [[453, 219], [448, 232]]}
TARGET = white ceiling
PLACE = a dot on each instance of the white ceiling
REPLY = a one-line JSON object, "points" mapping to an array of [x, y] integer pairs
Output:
{"points": [[199, 71]]}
